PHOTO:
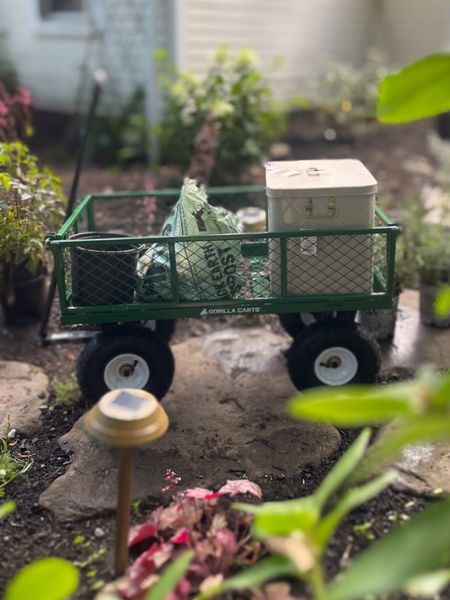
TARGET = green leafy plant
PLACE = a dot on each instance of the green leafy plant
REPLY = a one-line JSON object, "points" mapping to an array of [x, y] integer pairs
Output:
{"points": [[348, 95], [297, 532], [232, 94], [121, 136], [420, 90], [46, 579], [11, 467], [31, 205], [66, 392]]}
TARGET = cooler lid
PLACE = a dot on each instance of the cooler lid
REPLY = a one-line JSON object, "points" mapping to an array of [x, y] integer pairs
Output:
{"points": [[302, 177]]}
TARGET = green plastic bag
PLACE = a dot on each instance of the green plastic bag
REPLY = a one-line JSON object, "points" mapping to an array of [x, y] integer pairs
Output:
{"points": [[205, 270]]}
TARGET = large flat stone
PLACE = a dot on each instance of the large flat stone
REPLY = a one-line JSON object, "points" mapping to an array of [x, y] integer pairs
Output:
{"points": [[24, 388], [227, 414], [414, 343], [425, 469]]}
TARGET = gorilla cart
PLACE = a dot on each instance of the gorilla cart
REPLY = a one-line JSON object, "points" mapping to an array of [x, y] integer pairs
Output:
{"points": [[315, 279]]}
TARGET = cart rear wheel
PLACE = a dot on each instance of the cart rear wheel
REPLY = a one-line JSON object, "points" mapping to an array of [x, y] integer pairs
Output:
{"points": [[126, 356], [333, 353], [294, 323]]}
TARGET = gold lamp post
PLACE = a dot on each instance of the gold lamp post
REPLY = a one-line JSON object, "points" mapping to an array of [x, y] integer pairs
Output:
{"points": [[125, 419]]}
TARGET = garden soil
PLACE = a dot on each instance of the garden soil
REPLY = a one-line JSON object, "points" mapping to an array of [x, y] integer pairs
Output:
{"points": [[399, 160]]}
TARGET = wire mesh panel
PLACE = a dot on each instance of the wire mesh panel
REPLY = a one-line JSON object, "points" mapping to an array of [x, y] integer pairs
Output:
{"points": [[108, 269]]}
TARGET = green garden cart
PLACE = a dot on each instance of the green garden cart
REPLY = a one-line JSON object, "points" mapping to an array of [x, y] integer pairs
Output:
{"points": [[306, 277]]}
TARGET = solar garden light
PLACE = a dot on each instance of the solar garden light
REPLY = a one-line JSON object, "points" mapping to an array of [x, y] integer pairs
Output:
{"points": [[125, 419]]}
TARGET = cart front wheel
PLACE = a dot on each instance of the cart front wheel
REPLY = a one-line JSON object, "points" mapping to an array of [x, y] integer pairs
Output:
{"points": [[125, 357], [333, 353]]}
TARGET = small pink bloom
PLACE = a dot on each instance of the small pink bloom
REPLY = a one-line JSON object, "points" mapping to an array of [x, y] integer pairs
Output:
{"points": [[181, 536], [140, 533]]}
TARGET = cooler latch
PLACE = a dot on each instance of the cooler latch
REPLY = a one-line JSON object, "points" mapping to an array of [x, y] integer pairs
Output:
{"points": [[315, 208]]}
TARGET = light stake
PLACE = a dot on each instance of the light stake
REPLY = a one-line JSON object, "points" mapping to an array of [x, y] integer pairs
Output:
{"points": [[125, 419]]}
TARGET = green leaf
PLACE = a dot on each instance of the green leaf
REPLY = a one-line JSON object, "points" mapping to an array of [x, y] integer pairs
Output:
{"points": [[264, 570], [354, 405], [343, 468], [442, 303], [282, 518], [170, 577], [46, 579], [415, 548], [6, 509], [427, 586], [419, 90], [351, 500]]}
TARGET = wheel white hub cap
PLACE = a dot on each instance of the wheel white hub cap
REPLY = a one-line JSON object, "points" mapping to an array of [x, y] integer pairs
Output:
{"points": [[126, 370], [335, 366]]}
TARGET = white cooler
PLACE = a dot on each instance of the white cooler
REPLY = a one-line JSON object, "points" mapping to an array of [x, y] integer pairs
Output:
{"points": [[321, 194]]}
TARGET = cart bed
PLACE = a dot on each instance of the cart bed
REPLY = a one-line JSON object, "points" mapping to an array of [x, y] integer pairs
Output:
{"points": [[101, 278]]}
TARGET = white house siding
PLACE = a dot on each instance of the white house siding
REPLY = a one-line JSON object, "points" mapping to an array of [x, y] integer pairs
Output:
{"points": [[411, 29], [49, 66], [307, 33], [304, 33], [57, 68]]}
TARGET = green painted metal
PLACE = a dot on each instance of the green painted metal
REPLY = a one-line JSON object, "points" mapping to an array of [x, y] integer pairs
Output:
{"points": [[255, 246]]}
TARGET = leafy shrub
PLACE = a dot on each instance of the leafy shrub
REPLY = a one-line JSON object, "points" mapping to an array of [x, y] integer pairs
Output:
{"points": [[31, 205], [233, 94], [122, 138], [297, 532], [197, 520], [348, 94], [15, 108]]}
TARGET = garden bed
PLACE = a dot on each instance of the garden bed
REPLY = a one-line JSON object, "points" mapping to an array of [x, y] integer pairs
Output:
{"points": [[400, 161]]}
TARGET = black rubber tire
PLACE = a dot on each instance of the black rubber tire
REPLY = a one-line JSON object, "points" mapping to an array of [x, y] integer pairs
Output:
{"points": [[164, 328], [294, 323], [121, 339], [316, 338]]}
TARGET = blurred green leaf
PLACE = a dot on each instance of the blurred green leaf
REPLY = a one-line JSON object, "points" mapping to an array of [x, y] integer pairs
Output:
{"points": [[419, 90], [354, 405], [442, 304], [441, 396], [46, 579], [264, 570], [408, 551], [427, 586], [170, 577], [351, 500], [339, 473], [282, 518], [7, 508], [394, 438]]}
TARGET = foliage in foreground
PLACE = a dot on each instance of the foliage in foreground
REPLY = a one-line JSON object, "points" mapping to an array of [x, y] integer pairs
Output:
{"points": [[11, 467], [232, 94], [420, 90]]}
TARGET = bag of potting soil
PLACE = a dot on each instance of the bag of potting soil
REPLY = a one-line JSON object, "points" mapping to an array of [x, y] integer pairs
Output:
{"points": [[205, 270]]}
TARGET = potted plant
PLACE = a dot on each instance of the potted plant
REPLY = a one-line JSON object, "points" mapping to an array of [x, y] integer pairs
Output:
{"points": [[31, 205], [424, 258]]}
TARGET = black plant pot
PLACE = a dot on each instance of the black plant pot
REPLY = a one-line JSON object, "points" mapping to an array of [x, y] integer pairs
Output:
{"points": [[24, 301], [103, 274]]}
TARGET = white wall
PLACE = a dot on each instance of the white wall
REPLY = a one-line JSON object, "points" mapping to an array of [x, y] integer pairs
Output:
{"points": [[56, 64], [303, 32], [307, 33]]}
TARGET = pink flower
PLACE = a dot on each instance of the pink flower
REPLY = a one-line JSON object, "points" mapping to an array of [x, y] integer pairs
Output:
{"points": [[140, 533], [181, 536]]}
